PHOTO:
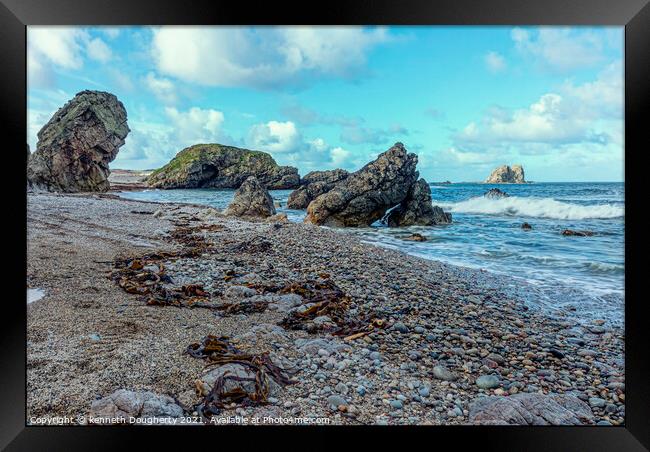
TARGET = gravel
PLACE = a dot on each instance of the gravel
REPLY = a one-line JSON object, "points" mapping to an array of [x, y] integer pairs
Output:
{"points": [[445, 330]]}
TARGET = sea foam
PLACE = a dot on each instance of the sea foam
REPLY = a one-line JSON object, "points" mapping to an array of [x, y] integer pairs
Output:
{"points": [[534, 207]]}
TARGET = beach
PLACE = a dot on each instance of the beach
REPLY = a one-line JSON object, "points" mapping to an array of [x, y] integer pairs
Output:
{"points": [[446, 338]]}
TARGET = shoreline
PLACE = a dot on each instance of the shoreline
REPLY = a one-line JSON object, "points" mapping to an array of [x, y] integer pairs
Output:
{"points": [[90, 333]]}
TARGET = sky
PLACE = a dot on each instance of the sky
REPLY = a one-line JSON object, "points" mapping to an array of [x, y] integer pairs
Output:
{"points": [[464, 99]]}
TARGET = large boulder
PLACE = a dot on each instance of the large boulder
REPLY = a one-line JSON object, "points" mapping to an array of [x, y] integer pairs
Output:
{"points": [[124, 405], [507, 175], [530, 409], [313, 185], [417, 209], [219, 166], [251, 200], [75, 147], [365, 195]]}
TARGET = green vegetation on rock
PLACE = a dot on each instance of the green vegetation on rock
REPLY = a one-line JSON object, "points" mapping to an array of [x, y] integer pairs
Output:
{"points": [[219, 166]]}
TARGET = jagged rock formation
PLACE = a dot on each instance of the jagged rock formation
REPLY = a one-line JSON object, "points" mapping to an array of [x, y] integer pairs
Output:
{"points": [[218, 166], [417, 209], [75, 147], [530, 409], [313, 185], [507, 175], [495, 193], [251, 200], [365, 195]]}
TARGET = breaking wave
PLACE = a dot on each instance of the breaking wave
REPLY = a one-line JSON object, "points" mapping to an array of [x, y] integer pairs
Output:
{"points": [[534, 207]]}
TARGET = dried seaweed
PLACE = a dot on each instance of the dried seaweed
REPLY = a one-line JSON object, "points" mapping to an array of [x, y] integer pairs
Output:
{"points": [[219, 351]]}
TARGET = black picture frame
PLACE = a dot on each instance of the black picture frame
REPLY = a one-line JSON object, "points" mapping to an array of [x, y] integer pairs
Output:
{"points": [[15, 15]]}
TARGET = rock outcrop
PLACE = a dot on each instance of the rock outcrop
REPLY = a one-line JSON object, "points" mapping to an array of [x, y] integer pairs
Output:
{"points": [[530, 409], [313, 185], [365, 195], [417, 209], [251, 200], [218, 166], [75, 147], [495, 193], [507, 175]]}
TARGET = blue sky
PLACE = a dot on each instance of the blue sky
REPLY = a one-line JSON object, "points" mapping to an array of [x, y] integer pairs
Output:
{"points": [[465, 99]]}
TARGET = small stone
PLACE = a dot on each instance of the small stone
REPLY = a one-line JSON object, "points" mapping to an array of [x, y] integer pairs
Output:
{"points": [[487, 381], [597, 402], [442, 373], [335, 401], [396, 404], [399, 326]]}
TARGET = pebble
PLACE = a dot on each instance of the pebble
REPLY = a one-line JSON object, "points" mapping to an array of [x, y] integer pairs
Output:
{"points": [[487, 381], [442, 373], [400, 327]]}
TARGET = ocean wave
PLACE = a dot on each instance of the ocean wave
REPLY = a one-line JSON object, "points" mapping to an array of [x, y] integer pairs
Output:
{"points": [[602, 267], [534, 207]]}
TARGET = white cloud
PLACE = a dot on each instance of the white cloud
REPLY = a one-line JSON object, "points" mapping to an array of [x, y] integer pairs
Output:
{"points": [[57, 47], [560, 49], [195, 125], [162, 88], [275, 136], [339, 156], [260, 57], [61, 46], [98, 50], [576, 114], [494, 62]]}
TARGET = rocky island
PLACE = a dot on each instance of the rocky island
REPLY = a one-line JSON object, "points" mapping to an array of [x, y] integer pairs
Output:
{"points": [[507, 175], [219, 166]]}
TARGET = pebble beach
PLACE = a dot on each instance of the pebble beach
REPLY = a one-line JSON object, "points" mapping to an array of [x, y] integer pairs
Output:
{"points": [[447, 339]]}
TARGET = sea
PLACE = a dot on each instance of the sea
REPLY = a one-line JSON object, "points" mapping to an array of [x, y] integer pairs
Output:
{"points": [[582, 277]]}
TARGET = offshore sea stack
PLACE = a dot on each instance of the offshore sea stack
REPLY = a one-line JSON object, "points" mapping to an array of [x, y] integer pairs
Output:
{"points": [[313, 185], [219, 166], [507, 175], [75, 147], [251, 200], [365, 195]]}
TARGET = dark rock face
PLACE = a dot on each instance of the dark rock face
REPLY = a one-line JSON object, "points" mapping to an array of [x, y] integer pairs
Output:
{"points": [[495, 193], [530, 409], [75, 147], [218, 166], [507, 175], [251, 200], [571, 232], [364, 196], [417, 209], [313, 185]]}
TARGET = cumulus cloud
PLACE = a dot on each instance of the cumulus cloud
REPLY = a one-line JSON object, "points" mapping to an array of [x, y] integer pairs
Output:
{"points": [[584, 113], [261, 57], [195, 125], [560, 49], [494, 62], [153, 144], [275, 136], [49, 48], [162, 88]]}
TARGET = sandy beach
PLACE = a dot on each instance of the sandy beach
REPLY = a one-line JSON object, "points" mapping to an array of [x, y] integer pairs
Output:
{"points": [[442, 342]]}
